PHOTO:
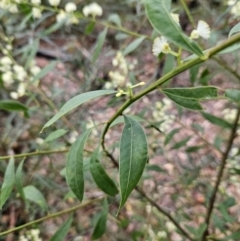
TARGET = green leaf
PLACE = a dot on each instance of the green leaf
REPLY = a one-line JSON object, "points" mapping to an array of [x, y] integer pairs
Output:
{"points": [[193, 73], [234, 30], [53, 28], [45, 71], [61, 233], [230, 49], [169, 64], [75, 102], [33, 194], [160, 18], [12, 105], [55, 134], [188, 103], [120, 119], [74, 167], [99, 44], [170, 135], [216, 120], [234, 236], [100, 226], [198, 93], [8, 182], [233, 95], [155, 168], [103, 181], [19, 184], [33, 51], [133, 157], [89, 28], [114, 18], [133, 45], [191, 149], [181, 143]]}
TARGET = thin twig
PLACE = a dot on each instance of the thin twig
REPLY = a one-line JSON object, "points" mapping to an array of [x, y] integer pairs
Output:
{"points": [[188, 12], [53, 215], [36, 153], [220, 174]]}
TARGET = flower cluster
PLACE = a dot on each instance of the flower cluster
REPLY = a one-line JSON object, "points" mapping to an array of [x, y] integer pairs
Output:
{"points": [[67, 14], [93, 9], [235, 8], [229, 114], [11, 72], [120, 75], [161, 111], [161, 45], [31, 235], [9, 6], [233, 164]]}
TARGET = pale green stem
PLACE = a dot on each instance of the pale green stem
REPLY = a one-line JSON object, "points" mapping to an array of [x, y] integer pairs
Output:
{"points": [[187, 10], [36, 153]]}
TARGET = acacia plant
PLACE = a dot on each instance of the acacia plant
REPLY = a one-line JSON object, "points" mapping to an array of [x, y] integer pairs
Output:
{"points": [[131, 157]]}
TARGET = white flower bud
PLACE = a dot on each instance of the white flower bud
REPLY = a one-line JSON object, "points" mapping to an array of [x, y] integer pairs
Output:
{"points": [[37, 2], [70, 7], [93, 9], [54, 3], [7, 78], [6, 60], [35, 70], [37, 12]]}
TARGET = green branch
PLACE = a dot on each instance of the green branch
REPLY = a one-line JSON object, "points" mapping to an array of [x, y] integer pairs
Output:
{"points": [[53, 215], [179, 69]]}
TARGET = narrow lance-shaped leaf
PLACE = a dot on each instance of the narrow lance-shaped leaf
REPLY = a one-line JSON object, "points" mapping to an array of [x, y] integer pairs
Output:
{"points": [[103, 181], [234, 30], [133, 45], [216, 120], [99, 45], [8, 183], [133, 157], [199, 93], [170, 135], [55, 134], [75, 102], [181, 143], [61, 233], [12, 105], [233, 95], [45, 71], [100, 226], [19, 185], [114, 18], [74, 167], [159, 16], [189, 103], [33, 194]]}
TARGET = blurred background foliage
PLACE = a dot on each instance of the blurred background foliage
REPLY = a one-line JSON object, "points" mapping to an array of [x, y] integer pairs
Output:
{"points": [[45, 62]]}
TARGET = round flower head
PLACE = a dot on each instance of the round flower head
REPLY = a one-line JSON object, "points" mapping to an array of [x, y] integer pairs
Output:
{"points": [[54, 3], [160, 45], [36, 12], [92, 9], [203, 30], [70, 7], [37, 2]]}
